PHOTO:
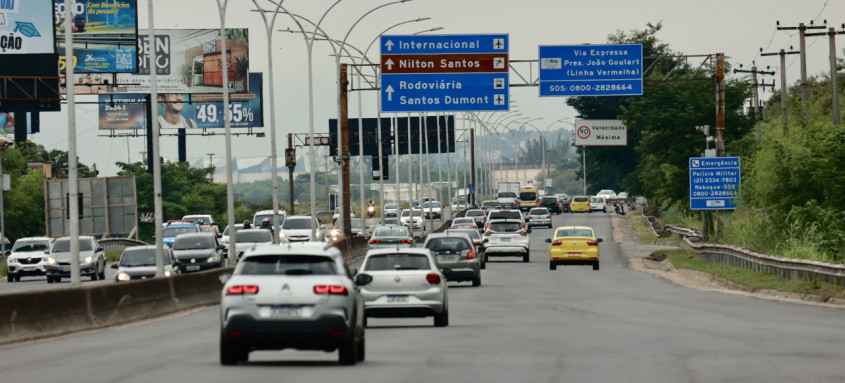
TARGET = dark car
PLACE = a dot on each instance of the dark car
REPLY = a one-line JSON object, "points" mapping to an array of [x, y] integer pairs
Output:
{"points": [[552, 204], [197, 252]]}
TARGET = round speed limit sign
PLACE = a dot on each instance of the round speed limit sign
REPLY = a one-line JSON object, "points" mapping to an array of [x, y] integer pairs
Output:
{"points": [[584, 132]]}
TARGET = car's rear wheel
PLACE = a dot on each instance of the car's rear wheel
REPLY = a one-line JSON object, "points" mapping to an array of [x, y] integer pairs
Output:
{"points": [[476, 281], [57, 279], [442, 319], [361, 349], [552, 266], [596, 265], [483, 263], [49, 279], [525, 257], [231, 354], [347, 353]]}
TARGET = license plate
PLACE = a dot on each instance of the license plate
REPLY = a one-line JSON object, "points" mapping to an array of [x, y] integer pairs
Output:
{"points": [[192, 268], [504, 239], [447, 258], [28, 268], [286, 311], [574, 254], [397, 299], [66, 268]]}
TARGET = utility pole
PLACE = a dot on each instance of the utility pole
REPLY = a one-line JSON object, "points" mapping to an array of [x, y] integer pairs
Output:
{"points": [[290, 154], [805, 92], [834, 83], [782, 53], [472, 164], [720, 129], [346, 224], [755, 94]]}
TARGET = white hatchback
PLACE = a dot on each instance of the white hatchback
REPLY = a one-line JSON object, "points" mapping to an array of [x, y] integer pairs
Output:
{"points": [[598, 203]]}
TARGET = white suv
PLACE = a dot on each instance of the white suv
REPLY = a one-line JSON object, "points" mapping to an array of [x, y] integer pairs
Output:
{"points": [[291, 296], [27, 258]]}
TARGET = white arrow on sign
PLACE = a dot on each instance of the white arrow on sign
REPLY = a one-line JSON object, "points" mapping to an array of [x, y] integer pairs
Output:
{"points": [[389, 45], [389, 64], [389, 92]]}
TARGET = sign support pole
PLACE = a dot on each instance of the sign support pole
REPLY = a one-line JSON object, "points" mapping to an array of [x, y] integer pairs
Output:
{"points": [[73, 184], [584, 166]]}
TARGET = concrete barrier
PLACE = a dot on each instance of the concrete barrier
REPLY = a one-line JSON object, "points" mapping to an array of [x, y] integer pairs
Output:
{"points": [[351, 248], [42, 314]]}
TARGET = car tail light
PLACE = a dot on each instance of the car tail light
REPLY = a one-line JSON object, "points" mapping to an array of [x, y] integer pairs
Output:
{"points": [[242, 290], [557, 203], [330, 289], [549, 216], [557, 243], [592, 243], [479, 244], [488, 232], [470, 255], [433, 278], [523, 224], [486, 225], [454, 227], [521, 232], [406, 241], [374, 241], [473, 227]]}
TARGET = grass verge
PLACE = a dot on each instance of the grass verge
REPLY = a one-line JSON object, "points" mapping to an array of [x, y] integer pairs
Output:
{"points": [[113, 256], [3, 269], [685, 259], [645, 233]]}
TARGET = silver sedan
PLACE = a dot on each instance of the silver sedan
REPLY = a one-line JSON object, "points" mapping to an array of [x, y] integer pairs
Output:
{"points": [[297, 296], [391, 236], [403, 283]]}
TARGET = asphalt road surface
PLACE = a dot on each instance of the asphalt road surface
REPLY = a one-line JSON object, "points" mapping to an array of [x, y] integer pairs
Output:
{"points": [[525, 323]]}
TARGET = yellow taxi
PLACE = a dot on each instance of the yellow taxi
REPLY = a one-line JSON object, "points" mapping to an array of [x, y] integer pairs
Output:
{"points": [[580, 204], [574, 245]]}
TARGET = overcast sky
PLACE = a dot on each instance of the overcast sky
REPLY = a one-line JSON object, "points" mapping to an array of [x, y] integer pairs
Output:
{"points": [[737, 28]]}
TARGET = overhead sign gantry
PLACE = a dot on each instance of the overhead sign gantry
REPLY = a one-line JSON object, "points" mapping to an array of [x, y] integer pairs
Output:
{"points": [[444, 73]]}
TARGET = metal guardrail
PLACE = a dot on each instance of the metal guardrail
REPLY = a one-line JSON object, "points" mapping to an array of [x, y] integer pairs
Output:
{"points": [[788, 268]]}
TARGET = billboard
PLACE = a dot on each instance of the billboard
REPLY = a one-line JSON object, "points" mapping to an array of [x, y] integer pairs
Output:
{"points": [[600, 133], [189, 61], [26, 27], [104, 35], [370, 135], [109, 206], [188, 111]]}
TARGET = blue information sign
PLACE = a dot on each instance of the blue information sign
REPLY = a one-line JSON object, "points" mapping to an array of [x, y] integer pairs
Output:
{"points": [[444, 73], [591, 70], [714, 182]]}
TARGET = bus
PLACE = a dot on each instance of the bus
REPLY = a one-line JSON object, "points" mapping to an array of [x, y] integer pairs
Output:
{"points": [[528, 198]]}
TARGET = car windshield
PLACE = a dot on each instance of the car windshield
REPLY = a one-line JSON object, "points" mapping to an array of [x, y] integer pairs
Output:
{"points": [[237, 227], [391, 206], [391, 232], [407, 213], [472, 233], [449, 245], [397, 261], [297, 224], [538, 212], [528, 196], [574, 233], [580, 199], [21, 246], [142, 257], [505, 215], [62, 245], [504, 227], [206, 229], [174, 231], [260, 218], [258, 236], [286, 265], [193, 242], [433, 205]]}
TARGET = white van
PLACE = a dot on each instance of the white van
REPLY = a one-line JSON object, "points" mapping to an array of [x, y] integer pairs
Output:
{"points": [[597, 203], [261, 214]]}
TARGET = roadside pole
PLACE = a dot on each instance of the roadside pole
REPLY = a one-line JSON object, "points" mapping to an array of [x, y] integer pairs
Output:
{"points": [[73, 183]]}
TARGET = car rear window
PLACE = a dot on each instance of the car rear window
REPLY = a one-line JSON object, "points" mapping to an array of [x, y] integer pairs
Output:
{"points": [[505, 215], [471, 233], [397, 261], [253, 236], [439, 245], [286, 265], [505, 227], [528, 196], [574, 233], [463, 221], [549, 199], [476, 213], [193, 242], [539, 212], [580, 199], [391, 232]]}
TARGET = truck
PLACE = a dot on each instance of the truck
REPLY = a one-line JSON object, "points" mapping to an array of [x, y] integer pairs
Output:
{"points": [[529, 198], [508, 190]]}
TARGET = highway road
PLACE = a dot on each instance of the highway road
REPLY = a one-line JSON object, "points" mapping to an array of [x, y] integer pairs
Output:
{"points": [[524, 324]]}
